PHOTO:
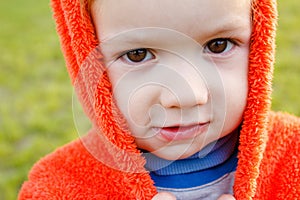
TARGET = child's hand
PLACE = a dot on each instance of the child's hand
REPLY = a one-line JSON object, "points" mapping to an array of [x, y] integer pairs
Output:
{"points": [[226, 197], [169, 196], [164, 196]]}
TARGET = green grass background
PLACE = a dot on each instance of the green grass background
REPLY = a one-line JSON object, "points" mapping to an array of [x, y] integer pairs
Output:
{"points": [[36, 94]]}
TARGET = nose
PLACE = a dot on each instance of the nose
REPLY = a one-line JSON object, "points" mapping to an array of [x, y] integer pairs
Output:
{"points": [[185, 87]]}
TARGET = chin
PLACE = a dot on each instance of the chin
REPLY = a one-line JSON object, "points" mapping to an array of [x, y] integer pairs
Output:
{"points": [[170, 155]]}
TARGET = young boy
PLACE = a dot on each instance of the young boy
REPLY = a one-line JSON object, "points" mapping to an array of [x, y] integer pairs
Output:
{"points": [[179, 95]]}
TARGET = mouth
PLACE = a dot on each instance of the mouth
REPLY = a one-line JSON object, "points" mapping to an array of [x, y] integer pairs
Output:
{"points": [[175, 133]]}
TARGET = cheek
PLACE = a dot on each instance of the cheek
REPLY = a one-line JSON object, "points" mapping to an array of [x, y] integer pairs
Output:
{"points": [[135, 102], [235, 86], [135, 92], [235, 78], [236, 100]]}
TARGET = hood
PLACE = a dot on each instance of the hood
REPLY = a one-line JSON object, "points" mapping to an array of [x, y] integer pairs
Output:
{"points": [[79, 42]]}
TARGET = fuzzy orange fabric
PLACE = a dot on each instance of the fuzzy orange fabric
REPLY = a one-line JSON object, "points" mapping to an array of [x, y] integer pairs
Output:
{"points": [[269, 157]]}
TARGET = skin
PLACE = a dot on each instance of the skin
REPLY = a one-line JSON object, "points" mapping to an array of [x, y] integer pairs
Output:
{"points": [[168, 196], [179, 90]]}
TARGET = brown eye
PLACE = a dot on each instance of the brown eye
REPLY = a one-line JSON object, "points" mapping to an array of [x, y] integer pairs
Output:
{"points": [[218, 46], [138, 55]]}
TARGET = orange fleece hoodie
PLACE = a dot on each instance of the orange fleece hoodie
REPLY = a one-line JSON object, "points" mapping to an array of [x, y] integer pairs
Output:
{"points": [[269, 150]]}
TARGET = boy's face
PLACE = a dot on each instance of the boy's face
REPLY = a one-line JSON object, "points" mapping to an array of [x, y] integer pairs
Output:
{"points": [[178, 69]]}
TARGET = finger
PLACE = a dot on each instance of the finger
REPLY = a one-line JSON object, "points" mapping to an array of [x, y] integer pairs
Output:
{"points": [[226, 197], [164, 196]]}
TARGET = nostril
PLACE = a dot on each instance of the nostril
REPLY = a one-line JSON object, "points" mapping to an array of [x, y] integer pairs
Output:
{"points": [[202, 98], [170, 100]]}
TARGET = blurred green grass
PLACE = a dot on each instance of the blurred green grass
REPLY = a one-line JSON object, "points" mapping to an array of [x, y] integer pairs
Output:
{"points": [[35, 91], [36, 94], [286, 87]]}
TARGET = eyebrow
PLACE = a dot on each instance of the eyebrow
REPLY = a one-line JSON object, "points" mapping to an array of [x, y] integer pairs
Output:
{"points": [[148, 36], [128, 36], [228, 27]]}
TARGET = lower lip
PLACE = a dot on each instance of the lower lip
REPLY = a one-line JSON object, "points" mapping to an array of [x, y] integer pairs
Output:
{"points": [[181, 132]]}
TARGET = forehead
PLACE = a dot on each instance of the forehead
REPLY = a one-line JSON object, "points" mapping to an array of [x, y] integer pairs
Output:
{"points": [[186, 16]]}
